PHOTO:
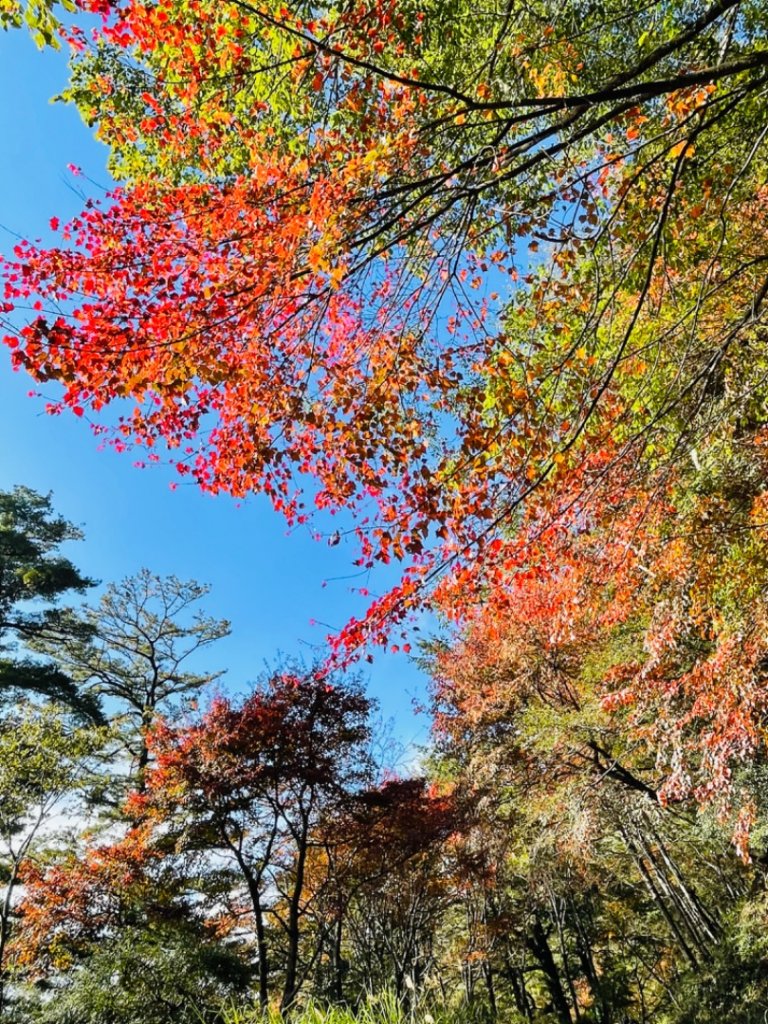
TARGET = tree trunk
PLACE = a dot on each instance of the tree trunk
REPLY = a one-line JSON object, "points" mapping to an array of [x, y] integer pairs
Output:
{"points": [[538, 945], [5, 925], [261, 938], [338, 960], [587, 960], [490, 988], [658, 899], [290, 990], [522, 999]]}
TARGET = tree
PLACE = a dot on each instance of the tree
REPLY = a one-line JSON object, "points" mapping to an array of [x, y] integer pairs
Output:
{"points": [[164, 976], [598, 894], [132, 649], [247, 783], [33, 575], [43, 761], [119, 935], [375, 891], [393, 890]]}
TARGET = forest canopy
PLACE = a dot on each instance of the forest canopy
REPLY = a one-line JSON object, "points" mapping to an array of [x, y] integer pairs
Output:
{"points": [[488, 283]]}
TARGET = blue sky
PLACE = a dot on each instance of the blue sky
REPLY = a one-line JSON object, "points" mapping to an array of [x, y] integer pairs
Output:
{"points": [[269, 584]]}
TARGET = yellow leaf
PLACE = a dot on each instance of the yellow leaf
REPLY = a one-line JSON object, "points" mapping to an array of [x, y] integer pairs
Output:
{"points": [[684, 148]]}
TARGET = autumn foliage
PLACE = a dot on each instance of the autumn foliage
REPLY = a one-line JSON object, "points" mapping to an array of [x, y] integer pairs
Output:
{"points": [[503, 315]]}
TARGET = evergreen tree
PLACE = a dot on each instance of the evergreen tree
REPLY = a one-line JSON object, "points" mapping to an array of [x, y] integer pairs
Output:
{"points": [[33, 576], [134, 648]]}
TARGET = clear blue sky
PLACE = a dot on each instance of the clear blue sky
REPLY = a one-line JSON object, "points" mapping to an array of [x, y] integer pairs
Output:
{"points": [[268, 584]]}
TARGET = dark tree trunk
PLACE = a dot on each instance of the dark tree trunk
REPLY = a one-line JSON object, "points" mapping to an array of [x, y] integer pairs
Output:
{"points": [[490, 988], [538, 945], [338, 960], [261, 939], [587, 961], [5, 927], [290, 988]]}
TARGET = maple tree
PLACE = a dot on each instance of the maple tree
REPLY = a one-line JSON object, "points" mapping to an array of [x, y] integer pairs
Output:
{"points": [[374, 890], [569, 848], [292, 303], [249, 783], [123, 936]]}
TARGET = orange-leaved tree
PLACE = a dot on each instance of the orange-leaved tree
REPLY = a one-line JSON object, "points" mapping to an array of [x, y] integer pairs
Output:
{"points": [[247, 784]]}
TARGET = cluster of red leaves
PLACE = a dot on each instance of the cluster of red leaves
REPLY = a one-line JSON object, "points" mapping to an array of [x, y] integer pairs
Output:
{"points": [[403, 817], [232, 321], [295, 733], [203, 310], [70, 907]]}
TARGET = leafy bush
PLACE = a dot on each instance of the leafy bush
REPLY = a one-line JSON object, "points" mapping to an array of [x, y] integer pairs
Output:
{"points": [[148, 978]]}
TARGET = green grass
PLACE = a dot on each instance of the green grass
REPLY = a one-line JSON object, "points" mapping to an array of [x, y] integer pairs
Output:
{"points": [[382, 1008]]}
